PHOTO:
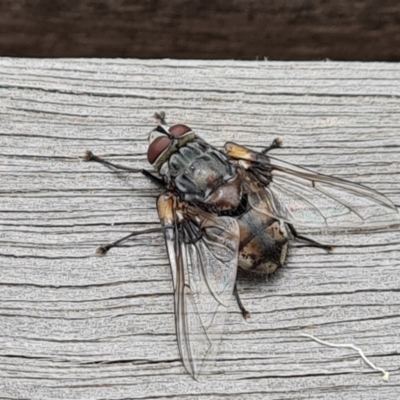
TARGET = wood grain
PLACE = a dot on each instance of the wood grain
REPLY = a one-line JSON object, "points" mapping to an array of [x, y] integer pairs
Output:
{"points": [[76, 326], [245, 29]]}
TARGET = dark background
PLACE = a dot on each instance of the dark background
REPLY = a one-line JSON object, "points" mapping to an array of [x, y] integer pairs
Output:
{"points": [[236, 29]]}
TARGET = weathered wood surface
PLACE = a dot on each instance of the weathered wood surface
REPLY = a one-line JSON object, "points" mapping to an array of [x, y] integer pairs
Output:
{"points": [[76, 326]]}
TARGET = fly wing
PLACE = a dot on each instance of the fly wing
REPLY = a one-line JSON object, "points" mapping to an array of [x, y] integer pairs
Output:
{"points": [[203, 254], [304, 198], [298, 196]]}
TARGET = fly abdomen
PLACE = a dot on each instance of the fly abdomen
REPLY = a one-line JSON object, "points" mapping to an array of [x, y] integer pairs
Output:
{"points": [[263, 242]]}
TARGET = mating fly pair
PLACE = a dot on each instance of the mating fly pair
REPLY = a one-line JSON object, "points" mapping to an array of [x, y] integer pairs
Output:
{"points": [[230, 208]]}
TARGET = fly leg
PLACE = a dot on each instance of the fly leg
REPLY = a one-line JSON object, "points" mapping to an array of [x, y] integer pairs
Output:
{"points": [[89, 156], [276, 143], [102, 250], [312, 242], [245, 313]]}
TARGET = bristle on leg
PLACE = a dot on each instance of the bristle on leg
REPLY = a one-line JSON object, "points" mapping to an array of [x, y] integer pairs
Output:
{"points": [[160, 118], [89, 156], [102, 250]]}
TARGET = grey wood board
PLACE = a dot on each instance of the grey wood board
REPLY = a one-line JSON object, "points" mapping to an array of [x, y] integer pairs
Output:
{"points": [[77, 326]]}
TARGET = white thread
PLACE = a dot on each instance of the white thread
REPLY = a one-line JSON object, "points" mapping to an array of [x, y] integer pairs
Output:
{"points": [[385, 376]]}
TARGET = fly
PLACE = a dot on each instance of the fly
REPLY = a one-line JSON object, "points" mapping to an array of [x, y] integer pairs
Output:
{"points": [[220, 210]]}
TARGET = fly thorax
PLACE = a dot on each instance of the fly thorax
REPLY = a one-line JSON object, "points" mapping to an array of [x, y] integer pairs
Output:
{"points": [[198, 169]]}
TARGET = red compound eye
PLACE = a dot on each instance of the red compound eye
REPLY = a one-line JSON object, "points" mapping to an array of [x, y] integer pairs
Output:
{"points": [[157, 147], [179, 130], [161, 143]]}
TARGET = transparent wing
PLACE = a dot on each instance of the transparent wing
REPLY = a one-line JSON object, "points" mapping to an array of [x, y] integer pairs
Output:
{"points": [[203, 255], [299, 196]]}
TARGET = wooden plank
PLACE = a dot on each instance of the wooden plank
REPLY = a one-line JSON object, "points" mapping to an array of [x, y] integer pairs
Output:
{"points": [[246, 29], [81, 327]]}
